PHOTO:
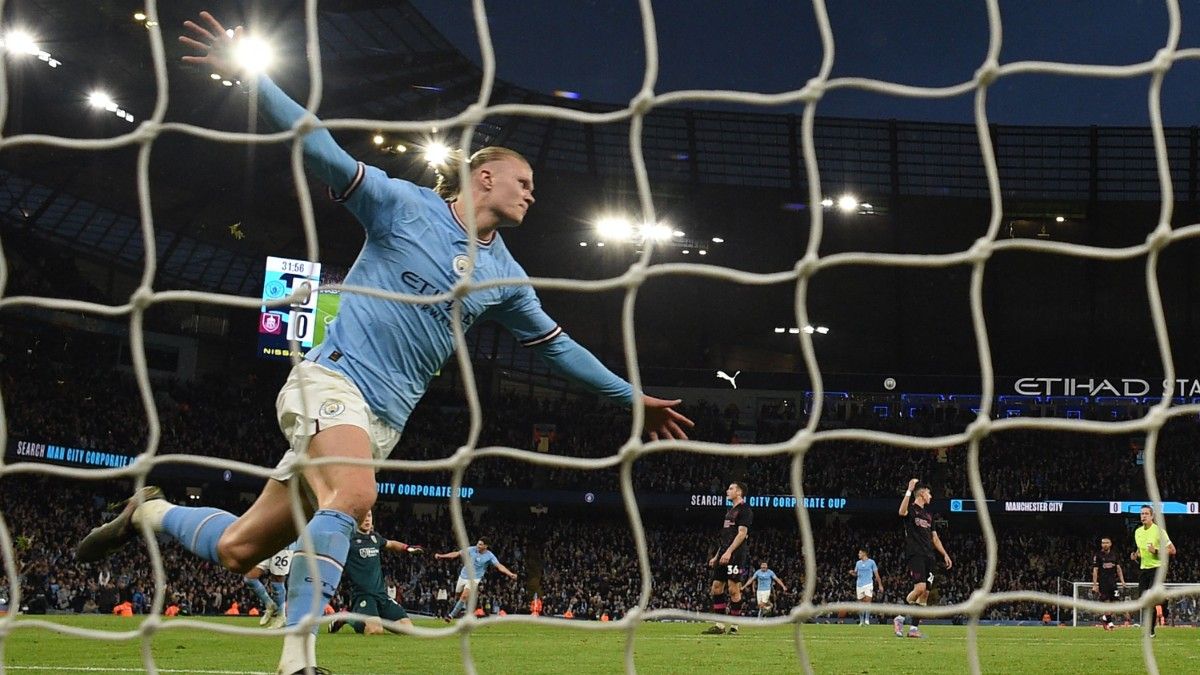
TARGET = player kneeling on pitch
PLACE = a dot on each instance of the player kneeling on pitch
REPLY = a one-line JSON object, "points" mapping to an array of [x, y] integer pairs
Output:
{"points": [[364, 571]]}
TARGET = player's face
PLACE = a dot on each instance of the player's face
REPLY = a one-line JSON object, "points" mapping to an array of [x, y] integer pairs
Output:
{"points": [[511, 192], [732, 492], [367, 522], [481, 547], [926, 496], [1147, 516], [1105, 545], [763, 567], [862, 555]]}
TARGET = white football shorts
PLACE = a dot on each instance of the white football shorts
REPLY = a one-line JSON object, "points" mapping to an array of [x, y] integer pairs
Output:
{"points": [[865, 591], [462, 583], [764, 597], [279, 564], [314, 398]]}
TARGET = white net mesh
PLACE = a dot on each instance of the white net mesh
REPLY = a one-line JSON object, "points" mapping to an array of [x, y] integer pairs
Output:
{"points": [[805, 268]]}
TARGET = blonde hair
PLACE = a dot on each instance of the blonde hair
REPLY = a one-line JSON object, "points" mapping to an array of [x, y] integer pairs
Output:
{"points": [[448, 186]]}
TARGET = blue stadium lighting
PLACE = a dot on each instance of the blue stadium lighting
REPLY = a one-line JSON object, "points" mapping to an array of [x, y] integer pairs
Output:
{"points": [[427, 87], [562, 93], [794, 206]]}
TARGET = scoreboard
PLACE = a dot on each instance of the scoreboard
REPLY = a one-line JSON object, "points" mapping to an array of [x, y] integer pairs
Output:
{"points": [[277, 326]]}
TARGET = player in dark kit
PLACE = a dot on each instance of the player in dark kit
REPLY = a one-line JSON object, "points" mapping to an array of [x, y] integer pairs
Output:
{"points": [[732, 560], [1106, 575], [920, 542], [364, 572]]}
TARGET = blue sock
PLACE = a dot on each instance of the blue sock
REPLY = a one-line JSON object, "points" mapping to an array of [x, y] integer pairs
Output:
{"points": [[459, 608], [330, 531], [259, 590], [198, 529], [280, 592]]}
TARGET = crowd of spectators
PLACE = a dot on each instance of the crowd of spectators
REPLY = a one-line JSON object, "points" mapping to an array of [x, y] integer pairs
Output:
{"points": [[233, 418], [587, 566]]}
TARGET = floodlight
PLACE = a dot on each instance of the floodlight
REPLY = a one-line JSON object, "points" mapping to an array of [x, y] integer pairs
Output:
{"points": [[718, 240], [779, 329], [600, 244], [99, 99], [822, 329], [809, 329], [847, 202], [20, 42], [139, 16], [685, 251], [215, 76], [1060, 219], [657, 232], [613, 227], [377, 139], [794, 331], [703, 252], [677, 233], [827, 202], [583, 243], [254, 55], [436, 153]]}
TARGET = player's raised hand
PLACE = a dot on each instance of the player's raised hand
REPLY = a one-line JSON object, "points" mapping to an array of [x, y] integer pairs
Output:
{"points": [[662, 422], [913, 483], [215, 45]]}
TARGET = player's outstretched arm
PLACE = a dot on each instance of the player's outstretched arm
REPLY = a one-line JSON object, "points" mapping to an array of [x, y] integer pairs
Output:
{"points": [[523, 316], [505, 571], [447, 556], [401, 547], [781, 584], [322, 155]]}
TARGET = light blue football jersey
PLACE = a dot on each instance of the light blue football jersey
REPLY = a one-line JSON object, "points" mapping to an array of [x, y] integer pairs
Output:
{"points": [[416, 245]]}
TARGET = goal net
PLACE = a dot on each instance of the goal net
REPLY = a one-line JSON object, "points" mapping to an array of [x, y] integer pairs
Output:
{"points": [[1182, 604], [976, 257]]}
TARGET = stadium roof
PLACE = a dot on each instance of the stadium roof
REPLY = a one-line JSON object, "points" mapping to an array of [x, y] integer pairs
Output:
{"points": [[381, 59]]}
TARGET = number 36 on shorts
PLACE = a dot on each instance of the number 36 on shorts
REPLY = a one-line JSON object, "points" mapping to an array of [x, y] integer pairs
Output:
{"points": [[733, 570]]}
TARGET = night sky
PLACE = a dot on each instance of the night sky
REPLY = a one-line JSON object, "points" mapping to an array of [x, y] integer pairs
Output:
{"points": [[594, 47]]}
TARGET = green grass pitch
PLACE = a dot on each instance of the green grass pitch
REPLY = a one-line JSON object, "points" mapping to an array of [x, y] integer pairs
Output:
{"points": [[327, 309], [660, 648]]}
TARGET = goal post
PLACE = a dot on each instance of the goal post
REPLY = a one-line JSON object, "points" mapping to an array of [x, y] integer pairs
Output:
{"points": [[1185, 607]]}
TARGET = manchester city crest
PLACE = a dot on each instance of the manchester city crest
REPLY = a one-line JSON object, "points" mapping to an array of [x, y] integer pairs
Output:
{"points": [[332, 408], [460, 264]]}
